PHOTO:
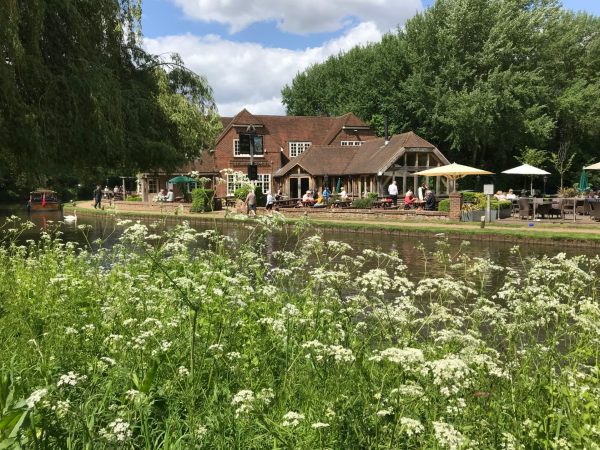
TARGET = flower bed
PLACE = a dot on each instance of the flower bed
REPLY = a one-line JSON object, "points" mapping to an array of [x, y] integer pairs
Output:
{"points": [[155, 342]]}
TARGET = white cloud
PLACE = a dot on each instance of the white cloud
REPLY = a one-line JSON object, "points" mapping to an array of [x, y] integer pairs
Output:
{"points": [[251, 75], [301, 17]]}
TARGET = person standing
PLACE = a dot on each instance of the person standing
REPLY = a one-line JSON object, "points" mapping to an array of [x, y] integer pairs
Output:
{"points": [[393, 192], [326, 195], [98, 197], [251, 202], [270, 200]]}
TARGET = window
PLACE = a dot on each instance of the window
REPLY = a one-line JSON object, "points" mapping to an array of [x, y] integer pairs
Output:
{"points": [[232, 184], [259, 148], [263, 182], [152, 186], [297, 147], [352, 143]]}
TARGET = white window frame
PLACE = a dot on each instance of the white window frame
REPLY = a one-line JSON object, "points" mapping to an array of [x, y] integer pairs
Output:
{"points": [[264, 182], [236, 149], [152, 186], [351, 143], [296, 148], [231, 185]]}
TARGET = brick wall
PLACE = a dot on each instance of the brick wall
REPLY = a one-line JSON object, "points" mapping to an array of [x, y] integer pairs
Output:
{"points": [[455, 206]]}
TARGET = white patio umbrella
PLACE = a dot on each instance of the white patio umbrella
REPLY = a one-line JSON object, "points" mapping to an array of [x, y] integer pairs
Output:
{"points": [[593, 167], [526, 169], [453, 172]]}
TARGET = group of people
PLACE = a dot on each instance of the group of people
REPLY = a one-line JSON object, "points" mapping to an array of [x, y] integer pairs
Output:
{"points": [[164, 196], [425, 197], [510, 195], [322, 198]]}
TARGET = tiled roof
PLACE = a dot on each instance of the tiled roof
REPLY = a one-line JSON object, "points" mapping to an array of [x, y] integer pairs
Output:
{"points": [[372, 157], [204, 165], [320, 130]]}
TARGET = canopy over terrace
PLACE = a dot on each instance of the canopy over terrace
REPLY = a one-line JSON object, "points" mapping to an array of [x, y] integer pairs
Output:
{"points": [[366, 168], [453, 172]]}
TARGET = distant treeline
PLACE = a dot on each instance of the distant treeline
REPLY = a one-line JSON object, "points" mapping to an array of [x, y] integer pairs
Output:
{"points": [[482, 79], [80, 99]]}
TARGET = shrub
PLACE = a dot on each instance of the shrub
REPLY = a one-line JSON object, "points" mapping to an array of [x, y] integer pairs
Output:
{"points": [[444, 205], [362, 203], [568, 193], [373, 196], [202, 200], [134, 198]]}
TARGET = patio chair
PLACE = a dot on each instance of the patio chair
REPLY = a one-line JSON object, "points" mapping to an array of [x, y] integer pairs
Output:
{"points": [[594, 210], [525, 210], [583, 207], [543, 210], [568, 206], [556, 208]]}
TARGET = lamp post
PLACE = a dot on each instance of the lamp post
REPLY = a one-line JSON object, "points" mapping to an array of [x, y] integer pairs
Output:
{"points": [[545, 180]]}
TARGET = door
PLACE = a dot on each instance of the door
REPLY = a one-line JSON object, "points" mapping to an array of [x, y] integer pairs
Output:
{"points": [[304, 186], [294, 188]]}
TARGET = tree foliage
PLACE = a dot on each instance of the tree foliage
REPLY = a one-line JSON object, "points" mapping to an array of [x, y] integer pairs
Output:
{"points": [[80, 98], [483, 79]]}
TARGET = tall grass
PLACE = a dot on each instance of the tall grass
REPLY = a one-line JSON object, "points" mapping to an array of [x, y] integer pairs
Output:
{"points": [[185, 339]]}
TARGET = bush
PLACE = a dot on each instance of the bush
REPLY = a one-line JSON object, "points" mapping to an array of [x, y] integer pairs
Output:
{"points": [[363, 203], [134, 198], [202, 200], [444, 205], [372, 196]]}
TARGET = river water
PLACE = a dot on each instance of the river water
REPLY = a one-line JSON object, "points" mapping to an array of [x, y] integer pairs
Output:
{"points": [[103, 227]]}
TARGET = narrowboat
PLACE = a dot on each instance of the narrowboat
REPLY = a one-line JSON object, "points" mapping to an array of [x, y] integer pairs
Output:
{"points": [[43, 200]]}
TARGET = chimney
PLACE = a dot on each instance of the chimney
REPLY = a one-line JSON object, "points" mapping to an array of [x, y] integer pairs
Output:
{"points": [[385, 130]]}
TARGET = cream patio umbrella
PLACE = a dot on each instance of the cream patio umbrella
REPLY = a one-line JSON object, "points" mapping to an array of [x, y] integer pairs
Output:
{"points": [[593, 167], [526, 169], [453, 172]]}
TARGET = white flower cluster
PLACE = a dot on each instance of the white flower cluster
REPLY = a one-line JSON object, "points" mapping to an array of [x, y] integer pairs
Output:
{"points": [[70, 379], [320, 352], [183, 372], [450, 374], [407, 357], [447, 436], [292, 419], [319, 425], [35, 397], [61, 408], [117, 431], [411, 427], [243, 400]]}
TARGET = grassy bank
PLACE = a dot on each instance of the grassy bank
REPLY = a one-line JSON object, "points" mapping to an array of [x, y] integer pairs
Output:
{"points": [[548, 233], [182, 339]]}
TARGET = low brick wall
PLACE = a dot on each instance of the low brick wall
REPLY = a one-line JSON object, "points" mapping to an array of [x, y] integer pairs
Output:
{"points": [[153, 206], [366, 214]]}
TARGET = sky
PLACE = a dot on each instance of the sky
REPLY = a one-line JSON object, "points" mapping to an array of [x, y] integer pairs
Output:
{"points": [[250, 49]]}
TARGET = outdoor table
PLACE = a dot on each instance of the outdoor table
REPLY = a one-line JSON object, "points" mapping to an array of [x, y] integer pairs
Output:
{"points": [[383, 203], [342, 203]]}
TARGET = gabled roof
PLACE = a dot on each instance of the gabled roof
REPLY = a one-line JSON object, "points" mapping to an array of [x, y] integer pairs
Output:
{"points": [[320, 130], [321, 160], [372, 157]]}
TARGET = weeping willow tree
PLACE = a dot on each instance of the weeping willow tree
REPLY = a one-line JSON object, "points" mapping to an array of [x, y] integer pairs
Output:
{"points": [[80, 97]]}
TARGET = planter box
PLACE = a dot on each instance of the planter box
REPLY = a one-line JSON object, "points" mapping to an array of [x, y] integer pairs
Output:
{"points": [[475, 216]]}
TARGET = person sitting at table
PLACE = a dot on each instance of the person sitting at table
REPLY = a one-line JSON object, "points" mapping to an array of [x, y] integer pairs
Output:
{"points": [[500, 196], [320, 203], [343, 195], [511, 195], [409, 200], [170, 196], [430, 200], [308, 199]]}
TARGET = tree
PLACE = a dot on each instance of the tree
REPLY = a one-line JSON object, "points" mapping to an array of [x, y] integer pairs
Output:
{"points": [[481, 79], [562, 161], [533, 157], [80, 98]]}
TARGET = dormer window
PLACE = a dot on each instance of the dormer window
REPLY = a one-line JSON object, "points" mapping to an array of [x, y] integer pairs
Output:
{"points": [[297, 147], [352, 143]]}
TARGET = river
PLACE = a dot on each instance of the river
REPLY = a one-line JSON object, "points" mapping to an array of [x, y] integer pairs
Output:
{"points": [[103, 227]]}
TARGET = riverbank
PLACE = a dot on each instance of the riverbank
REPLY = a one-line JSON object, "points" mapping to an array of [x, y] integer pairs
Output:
{"points": [[572, 234]]}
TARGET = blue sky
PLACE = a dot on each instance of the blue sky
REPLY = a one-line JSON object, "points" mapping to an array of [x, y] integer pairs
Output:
{"points": [[250, 50]]}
